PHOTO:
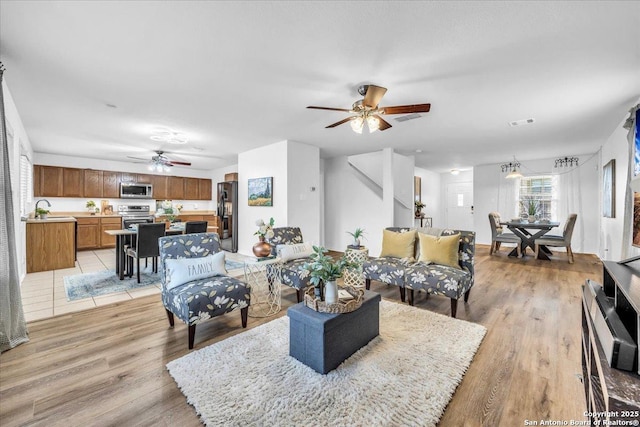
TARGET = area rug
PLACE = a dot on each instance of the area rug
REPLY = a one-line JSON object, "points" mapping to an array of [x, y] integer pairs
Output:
{"points": [[107, 282], [405, 376]]}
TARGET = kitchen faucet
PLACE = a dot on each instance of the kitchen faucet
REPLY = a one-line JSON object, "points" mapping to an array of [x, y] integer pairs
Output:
{"points": [[42, 200]]}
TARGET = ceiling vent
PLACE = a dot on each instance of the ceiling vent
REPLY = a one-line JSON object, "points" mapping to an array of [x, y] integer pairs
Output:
{"points": [[408, 117], [522, 122]]}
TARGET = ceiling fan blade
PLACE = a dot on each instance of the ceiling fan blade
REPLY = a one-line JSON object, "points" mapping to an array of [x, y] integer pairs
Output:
{"points": [[328, 108], [348, 119], [384, 125], [373, 96], [173, 162], [137, 158], [407, 109]]}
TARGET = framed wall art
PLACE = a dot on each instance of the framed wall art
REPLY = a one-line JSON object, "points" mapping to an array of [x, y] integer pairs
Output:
{"points": [[260, 191]]}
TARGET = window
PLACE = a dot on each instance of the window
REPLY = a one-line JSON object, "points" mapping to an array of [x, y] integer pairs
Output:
{"points": [[540, 190], [26, 184]]}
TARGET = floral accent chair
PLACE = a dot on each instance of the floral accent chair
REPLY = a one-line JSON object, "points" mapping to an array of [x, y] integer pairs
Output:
{"points": [[387, 269], [442, 279], [438, 279], [291, 273], [199, 300]]}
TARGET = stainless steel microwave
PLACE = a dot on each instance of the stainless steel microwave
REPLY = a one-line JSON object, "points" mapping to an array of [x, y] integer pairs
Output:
{"points": [[134, 190]]}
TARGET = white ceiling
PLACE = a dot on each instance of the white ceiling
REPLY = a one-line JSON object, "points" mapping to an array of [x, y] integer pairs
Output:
{"points": [[238, 75]]}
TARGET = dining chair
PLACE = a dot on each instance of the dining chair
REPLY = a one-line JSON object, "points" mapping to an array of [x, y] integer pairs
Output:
{"points": [[146, 246], [498, 236], [195, 227], [560, 241]]}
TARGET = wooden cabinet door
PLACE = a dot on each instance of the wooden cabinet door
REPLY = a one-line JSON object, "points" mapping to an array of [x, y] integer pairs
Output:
{"points": [[88, 233], [37, 172], [160, 186], [93, 183], [110, 185], [51, 181], [204, 192], [176, 188], [191, 188], [128, 177], [72, 182], [107, 241], [144, 178]]}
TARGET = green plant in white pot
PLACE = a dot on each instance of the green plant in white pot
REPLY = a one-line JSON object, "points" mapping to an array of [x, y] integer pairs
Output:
{"points": [[91, 207], [41, 213], [531, 208], [357, 235], [324, 272]]}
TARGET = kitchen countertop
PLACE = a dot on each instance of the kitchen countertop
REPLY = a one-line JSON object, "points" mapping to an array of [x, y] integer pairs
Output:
{"points": [[53, 218]]}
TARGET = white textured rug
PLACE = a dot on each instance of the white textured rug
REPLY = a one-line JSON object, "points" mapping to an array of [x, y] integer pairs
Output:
{"points": [[405, 376]]}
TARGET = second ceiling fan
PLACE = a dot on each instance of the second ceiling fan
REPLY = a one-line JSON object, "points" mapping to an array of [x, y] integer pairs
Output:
{"points": [[367, 110]]}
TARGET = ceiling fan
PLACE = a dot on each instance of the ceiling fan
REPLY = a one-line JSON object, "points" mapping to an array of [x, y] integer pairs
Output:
{"points": [[367, 110], [160, 162]]}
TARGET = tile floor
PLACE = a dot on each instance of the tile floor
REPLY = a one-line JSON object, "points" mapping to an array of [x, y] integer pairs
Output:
{"points": [[43, 293]]}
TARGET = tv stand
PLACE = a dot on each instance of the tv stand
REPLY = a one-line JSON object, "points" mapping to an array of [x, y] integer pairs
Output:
{"points": [[612, 394]]}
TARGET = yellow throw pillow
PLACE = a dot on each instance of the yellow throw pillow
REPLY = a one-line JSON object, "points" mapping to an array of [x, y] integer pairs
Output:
{"points": [[441, 250], [399, 245]]}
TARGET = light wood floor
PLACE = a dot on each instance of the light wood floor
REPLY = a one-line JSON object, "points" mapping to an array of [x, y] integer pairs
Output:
{"points": [[106, 366]]}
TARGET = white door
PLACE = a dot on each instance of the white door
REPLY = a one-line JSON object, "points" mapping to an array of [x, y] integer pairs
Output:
{"points": [[459, 207]]}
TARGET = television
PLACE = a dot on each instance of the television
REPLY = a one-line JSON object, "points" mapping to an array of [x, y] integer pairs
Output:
{"points": [[635, 186]]}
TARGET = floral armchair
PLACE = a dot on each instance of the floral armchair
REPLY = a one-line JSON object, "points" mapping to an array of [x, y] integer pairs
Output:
{"points": [[199, 300], [428, 277], [291, 273]]}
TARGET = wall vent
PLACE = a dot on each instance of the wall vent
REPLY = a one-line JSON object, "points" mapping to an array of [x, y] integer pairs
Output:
{"points": [[522, 122], [408, 117]]}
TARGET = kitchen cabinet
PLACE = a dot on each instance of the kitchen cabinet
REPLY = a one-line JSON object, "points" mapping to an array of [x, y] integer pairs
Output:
{"points": [[93, 183], [160, 186], [88, 233], [51, 181], [204, 189], [37, 172], [176, 188], [50, 245], [72, 182], [231, 176], [110, 185], [128, 177], [191, 188], [107, 241], [55, 181]]}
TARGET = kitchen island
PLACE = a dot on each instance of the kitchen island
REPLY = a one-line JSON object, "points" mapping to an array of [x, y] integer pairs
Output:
{"points": [[51, 243]]}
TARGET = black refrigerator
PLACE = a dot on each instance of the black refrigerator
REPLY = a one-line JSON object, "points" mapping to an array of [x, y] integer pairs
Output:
{"points": [[227, 211]]}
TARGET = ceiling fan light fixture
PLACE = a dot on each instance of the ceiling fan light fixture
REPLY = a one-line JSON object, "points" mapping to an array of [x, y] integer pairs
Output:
{"points": [[357, 124], [373, 123]]}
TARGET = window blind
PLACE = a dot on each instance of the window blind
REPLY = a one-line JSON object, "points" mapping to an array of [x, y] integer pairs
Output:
{"points": [[26, 184]]}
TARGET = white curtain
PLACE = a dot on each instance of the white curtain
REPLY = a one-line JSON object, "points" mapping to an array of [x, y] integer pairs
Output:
{"points": [[508, 197], [13, 328], [569, 200]]}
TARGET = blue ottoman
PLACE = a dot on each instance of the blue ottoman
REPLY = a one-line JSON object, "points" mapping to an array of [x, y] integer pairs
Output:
{"points": [[323, 341]]}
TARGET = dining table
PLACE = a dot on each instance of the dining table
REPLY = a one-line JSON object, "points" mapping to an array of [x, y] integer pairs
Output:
{"points": [[529, 232], [126, 237]]}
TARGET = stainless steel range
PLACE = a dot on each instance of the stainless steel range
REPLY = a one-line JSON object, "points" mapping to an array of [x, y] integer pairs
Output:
{"points": [[134, 214]]}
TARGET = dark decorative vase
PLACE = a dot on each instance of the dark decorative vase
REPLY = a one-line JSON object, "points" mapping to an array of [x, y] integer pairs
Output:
{"points": [[262, 249]]}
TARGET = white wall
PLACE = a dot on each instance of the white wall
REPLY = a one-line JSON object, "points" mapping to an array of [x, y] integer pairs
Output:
{"points": [[612, 232], [217, 175], [352, 199], [295, 168], [303, 190], [431, 195], [17, 143], [487, 180]]}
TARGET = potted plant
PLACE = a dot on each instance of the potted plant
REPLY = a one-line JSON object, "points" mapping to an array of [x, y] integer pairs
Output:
{"points": [[91, 206], [41, 213], [324, 271], [531, 208], [357, 235], [419, 205]]}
